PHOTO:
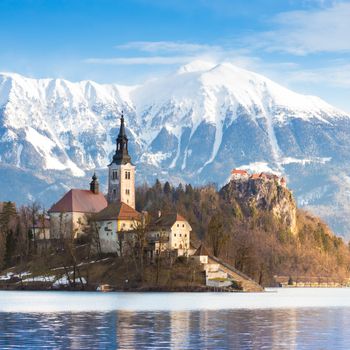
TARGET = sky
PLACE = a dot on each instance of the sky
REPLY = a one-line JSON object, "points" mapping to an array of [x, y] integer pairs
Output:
{"points": [[301, 44]]}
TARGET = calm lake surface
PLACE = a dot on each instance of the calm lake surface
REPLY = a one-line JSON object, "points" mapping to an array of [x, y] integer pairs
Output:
{"points": [[277, 319]]}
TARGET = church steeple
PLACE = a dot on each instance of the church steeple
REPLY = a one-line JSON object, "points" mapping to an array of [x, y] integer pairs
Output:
{"points": [[121, 155], [121, 172]]}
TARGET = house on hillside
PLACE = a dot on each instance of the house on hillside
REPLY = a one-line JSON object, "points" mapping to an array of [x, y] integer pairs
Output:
{"points": [[239, 174], [116, 225], [69, 216], [170, 232]]}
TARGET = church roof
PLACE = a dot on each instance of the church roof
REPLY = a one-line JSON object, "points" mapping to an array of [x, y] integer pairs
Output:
{"points": [[167, 220], [118, 211], [82, 201]]}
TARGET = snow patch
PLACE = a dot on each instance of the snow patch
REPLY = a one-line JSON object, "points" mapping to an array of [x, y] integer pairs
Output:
{"points": [[154, 158], [260, 167], [44, 146], [291, 160]]}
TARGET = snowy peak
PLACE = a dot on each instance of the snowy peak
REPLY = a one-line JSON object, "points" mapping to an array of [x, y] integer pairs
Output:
{"points": [[167, 117], [194, 125], [196, 66]]}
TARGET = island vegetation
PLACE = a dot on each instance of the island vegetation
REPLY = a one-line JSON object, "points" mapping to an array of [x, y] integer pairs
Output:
{"points": [[257, 237]]}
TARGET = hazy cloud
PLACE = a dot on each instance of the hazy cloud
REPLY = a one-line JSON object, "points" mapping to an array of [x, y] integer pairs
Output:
{"points": [[303, 32], [141, 60], [172, 53], [166, 47], [335, 75]]}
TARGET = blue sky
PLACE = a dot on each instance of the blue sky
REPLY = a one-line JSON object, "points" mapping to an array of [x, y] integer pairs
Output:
{"points": [[304, 45]]}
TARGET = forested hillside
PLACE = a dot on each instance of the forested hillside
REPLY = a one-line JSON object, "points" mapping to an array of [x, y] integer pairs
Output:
{"points": [[250, 235]]}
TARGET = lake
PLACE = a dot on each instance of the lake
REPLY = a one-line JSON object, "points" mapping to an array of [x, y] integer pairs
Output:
{"points": [[278, 319]]}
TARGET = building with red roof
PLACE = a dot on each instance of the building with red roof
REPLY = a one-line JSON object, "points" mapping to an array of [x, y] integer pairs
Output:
{"points": [[239, 174], [116, 220], [69, 216]]}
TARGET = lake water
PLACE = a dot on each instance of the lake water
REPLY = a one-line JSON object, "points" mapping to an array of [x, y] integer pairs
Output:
{"points": [[277, 319]]}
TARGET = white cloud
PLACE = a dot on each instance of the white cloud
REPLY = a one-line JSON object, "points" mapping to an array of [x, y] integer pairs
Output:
{"points": [[161, 60], [173, 53], [335, 75], [302, 32], [166, 46]]}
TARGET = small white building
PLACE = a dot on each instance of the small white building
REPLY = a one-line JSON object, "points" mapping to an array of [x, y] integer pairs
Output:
{"points": [[170, 232], [116, 225]]}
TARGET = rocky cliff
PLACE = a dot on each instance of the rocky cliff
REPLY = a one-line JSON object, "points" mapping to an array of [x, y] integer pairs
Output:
{"points": [[249, 195]]}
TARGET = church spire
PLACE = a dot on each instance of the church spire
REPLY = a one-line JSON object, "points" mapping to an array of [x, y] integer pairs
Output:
{"points": [[94, 185], [121, 155]]}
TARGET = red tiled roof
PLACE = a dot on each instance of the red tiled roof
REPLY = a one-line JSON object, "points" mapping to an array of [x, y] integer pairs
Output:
{"points": [[255, 176], [118, 211], [239, 171], [82, 201]]}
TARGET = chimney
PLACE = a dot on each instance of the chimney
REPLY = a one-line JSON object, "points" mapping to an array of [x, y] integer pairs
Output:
{"points": [[94, 185]]}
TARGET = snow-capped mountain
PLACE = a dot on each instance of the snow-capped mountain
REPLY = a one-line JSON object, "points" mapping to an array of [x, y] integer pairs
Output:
{"points": [[194, 125]]}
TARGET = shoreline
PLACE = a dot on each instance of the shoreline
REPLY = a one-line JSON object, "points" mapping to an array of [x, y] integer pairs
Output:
{"points": [[146, 289]]}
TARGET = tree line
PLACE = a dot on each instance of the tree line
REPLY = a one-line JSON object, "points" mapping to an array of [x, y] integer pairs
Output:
{"points": [[255, 242]]}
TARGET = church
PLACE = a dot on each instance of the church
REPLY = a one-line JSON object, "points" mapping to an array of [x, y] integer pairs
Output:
{"points": [[115, 216]]}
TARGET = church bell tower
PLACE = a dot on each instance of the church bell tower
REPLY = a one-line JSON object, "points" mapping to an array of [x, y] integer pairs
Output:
{"points": [[121, 172]]}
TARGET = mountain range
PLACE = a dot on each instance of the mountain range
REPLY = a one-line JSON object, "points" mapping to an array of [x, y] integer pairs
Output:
{"points": [[192, 126]]}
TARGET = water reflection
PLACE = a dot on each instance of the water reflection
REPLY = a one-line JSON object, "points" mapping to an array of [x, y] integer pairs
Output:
{"points": [[233, 329]]}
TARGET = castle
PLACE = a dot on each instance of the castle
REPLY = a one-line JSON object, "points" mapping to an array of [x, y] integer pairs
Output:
{"points": [[115, 218], [240, 174]]}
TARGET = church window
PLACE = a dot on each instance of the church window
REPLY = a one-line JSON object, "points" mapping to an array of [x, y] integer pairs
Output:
{"points": [[127, 175], [115, 175], [127, 191]]}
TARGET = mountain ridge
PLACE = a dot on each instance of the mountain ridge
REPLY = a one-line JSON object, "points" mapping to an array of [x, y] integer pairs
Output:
{"points": [[193, 125]]}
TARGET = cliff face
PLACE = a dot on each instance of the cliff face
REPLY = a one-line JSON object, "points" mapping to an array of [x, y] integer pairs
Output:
{"points": [[249, 195]]}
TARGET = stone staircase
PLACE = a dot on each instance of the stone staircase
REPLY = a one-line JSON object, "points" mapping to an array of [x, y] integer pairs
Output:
{"points": [[247, 284]]}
